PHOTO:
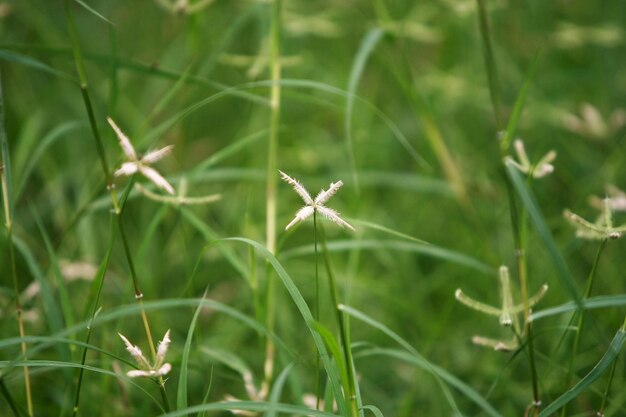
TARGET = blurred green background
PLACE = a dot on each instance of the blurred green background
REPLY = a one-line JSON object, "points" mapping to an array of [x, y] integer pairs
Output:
{"points": [[418, 71]]}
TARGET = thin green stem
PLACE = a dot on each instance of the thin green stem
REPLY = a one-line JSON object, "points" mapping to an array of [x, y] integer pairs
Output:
{"points": [[94, 312], [272, 179], [318, 384], [490, 63], [84, 90], [343, 328], [137, 290]]}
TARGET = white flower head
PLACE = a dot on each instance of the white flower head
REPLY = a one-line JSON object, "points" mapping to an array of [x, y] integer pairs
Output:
{"points": [[317, 204], [540, 169], [142, 165], [145, 368]]}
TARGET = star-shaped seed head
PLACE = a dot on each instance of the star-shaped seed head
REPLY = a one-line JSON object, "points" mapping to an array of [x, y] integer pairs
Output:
{"points": [[315, 205], [145, 368], [142, 165], [540, 169]]}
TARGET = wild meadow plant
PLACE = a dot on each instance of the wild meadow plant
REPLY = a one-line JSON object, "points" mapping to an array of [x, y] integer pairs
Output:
{"points": [[203, 247]]}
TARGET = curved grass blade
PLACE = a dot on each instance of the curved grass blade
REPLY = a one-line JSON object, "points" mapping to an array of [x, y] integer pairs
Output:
{"points": [[35, 155], [603, 301], [41, 343], [33, 63], [211, 236], [181, 396], [70, 365], [403, 246], [254, 406], [375, 410], [335, 350], [305, 312], [277, 390], [609, 357], [438, 372], [413, 356], [369, 42]]}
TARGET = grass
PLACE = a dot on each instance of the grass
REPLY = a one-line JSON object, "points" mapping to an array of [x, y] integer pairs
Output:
{"points": [[415, 106]]}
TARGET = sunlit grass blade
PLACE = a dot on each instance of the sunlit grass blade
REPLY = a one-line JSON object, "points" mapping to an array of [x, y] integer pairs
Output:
{"points": [[604, 301], [93, 11], [368, 44], [609, 357], [381, 228], [374, 410]]}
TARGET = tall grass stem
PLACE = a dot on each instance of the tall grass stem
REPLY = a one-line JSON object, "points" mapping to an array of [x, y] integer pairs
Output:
{"points": [[343, 328], [272, 179], [5, 167]]}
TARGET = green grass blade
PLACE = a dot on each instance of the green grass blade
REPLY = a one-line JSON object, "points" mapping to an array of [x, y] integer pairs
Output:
{"points": [[428, 366], [534, 213], [305, 312], [254, 406], [277, 390], [27, 61], [490, 63], [368, 44], [181, 396], [50, 307], [603, 301], [211, 236], [41, 343], [232, 149], [609, 357], [438, 372], [52, 365], [381, 228], [398, 245], [519, 105], [59, 132], [375, 410], [64, 296], [94, 11], [335, 351], [229, 359]]}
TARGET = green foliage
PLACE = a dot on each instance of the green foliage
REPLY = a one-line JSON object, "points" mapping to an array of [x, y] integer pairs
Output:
{"points": [[415, 106]]}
